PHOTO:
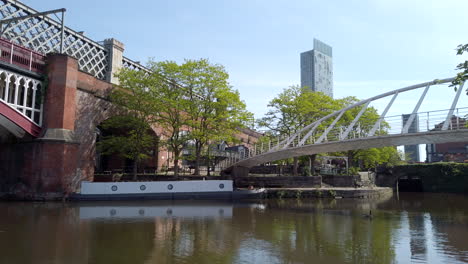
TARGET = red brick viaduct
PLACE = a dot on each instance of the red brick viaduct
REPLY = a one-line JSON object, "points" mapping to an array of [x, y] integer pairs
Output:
{"points": [[64, 153]]}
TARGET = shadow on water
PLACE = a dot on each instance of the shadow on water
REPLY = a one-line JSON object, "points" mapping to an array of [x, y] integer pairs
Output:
{"points": [[419, 227]]}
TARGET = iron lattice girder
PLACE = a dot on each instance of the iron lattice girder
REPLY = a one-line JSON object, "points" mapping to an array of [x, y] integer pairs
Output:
{"points": [[43, 34]]}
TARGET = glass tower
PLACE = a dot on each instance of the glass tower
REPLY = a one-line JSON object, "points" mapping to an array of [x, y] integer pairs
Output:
{"points": [[317, 68]]}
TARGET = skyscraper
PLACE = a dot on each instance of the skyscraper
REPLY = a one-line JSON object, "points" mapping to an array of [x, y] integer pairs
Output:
{"points": [[412, 151], [317, 68]]}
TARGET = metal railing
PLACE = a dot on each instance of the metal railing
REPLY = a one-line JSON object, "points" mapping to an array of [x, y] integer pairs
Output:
{"points": [[23, 94], [22, 57], [128, 63], [332, 129], [44, 35]]}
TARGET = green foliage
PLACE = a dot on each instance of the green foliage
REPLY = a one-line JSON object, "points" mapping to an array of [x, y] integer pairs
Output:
{"points": [[212, 110], [319, 193], [173, 103], [137, 101], [298, 194], [462, 67], [295, 107], [280, 194], [353, 171], [131, 138], [191, 103], [306, 171], [373, 157]]}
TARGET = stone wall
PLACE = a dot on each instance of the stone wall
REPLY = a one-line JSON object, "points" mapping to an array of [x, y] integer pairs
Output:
{"points": [[37, 169], [436, 177], [340, 180], [278, 182]]}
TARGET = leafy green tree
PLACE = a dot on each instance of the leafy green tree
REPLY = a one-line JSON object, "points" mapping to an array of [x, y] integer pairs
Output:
{"points": [[136, 101], [371, 158], [293, 108], [296, 107], [462, 67], [215, 111], [173, 104]]}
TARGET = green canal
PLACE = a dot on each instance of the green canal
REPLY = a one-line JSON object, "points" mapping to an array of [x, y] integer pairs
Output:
{"points": [[411, 228]]}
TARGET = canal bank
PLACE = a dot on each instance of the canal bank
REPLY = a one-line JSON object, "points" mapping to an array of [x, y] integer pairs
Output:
{"points": [[443, 177], [330, 192]]}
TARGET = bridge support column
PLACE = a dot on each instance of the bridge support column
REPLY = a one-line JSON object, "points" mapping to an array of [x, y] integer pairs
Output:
{"points": [[240, 172], [46, 167]]}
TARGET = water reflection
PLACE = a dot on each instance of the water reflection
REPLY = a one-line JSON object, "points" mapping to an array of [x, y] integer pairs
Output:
{"points": [[416, 228], [150, 211]]}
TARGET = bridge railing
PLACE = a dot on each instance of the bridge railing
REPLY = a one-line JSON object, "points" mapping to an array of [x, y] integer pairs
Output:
{"points": [[333, 128], [130, 64], [43, 35], [22, 57], [23, 94]]}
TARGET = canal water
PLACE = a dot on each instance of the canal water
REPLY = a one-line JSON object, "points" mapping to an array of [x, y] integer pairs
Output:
{"points": [[416, 228]]}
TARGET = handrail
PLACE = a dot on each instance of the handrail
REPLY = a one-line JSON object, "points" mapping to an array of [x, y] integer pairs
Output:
{"points": [[21, 56]]}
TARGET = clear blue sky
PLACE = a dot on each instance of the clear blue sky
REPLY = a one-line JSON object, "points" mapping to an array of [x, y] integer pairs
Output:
{"points": [[378, 45]]}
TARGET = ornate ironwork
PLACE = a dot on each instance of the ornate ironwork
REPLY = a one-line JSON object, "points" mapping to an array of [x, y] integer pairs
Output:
{"points": [[128, 63], [43, 34], [23, 94]]}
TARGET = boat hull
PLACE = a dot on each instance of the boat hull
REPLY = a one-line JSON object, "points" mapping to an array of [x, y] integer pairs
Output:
{"points": [[234, 195], [163, 190]]}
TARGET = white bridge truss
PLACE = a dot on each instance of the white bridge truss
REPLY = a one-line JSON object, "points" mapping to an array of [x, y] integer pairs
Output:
{"points": [[23, 94], [43, 34], [326, 130]]}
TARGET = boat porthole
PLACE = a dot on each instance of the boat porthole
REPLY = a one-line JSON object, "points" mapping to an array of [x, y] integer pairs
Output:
{"points": [[142, 187], [170, 187], [113, 212], [141, 212], [221, 186], [114, 188], [169, 211]]}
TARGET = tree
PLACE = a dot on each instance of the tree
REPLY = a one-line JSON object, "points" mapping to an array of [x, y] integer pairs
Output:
{"points": [[131, 138], [462, 76], [373, 157], [214, 110], [293, 108], [296, 107], [173, 104], [136, 100]]}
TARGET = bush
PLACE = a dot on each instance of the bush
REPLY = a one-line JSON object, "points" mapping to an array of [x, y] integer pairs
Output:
{"points": [[306, 171], [353, 171]]}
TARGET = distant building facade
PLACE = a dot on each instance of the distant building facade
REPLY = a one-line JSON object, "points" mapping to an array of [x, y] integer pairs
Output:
{"points": [[317, 68], [412, 151], [452, 151]]}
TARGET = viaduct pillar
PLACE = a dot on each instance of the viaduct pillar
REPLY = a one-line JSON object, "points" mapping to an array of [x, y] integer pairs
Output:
{"points": [[46, 166]]}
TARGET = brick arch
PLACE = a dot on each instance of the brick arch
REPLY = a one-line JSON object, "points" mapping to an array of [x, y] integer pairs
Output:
{"points": [[92, 108]]}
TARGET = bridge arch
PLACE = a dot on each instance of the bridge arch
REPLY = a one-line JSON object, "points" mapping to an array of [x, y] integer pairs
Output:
{"points": [[325, 135]]}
